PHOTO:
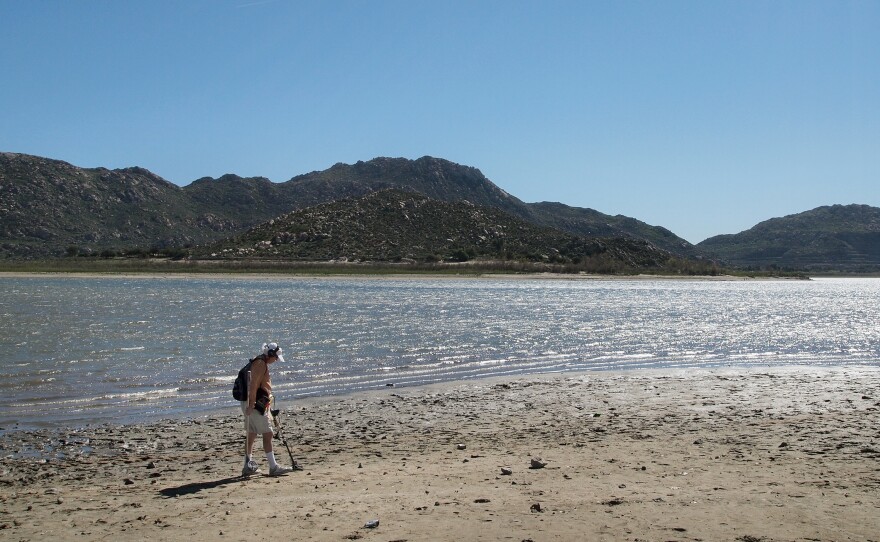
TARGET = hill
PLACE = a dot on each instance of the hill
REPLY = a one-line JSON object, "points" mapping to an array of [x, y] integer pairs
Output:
{"points": [[829, 238], [591, 223], [51, 208], [393, 225], [446, 181]]}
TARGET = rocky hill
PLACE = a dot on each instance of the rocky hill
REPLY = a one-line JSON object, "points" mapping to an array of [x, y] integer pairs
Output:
{"points": [[436, 178], [393, 226], [51, 208], [591, 223], [830, 238], [447, 181]]}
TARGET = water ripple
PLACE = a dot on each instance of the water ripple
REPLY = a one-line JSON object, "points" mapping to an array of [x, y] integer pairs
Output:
{"points": [[81, 350]]}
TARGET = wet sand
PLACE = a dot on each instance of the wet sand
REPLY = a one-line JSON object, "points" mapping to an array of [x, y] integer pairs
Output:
{"points": [[728, 454]]}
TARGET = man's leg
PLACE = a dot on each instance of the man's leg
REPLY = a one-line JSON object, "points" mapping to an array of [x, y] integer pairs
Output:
{"points": [[267, 447], [251, 438], [249, 466]]}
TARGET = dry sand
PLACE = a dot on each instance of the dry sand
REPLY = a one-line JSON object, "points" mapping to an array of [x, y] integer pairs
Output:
{"points": [[746, 455]]}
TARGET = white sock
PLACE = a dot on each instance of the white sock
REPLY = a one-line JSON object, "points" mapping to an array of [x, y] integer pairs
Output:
{"points": [[271, 457]]}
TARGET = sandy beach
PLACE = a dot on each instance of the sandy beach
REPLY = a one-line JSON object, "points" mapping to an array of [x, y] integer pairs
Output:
{"points": [[728, 454]]}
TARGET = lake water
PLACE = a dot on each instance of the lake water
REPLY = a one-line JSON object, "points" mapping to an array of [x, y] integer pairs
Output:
{"points": [[81, 350]]}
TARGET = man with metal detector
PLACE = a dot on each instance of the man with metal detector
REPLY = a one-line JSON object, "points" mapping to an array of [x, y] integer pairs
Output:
{"points": [[257, 410]]}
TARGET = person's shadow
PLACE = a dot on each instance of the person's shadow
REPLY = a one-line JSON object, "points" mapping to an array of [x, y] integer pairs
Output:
{"points": [[189, 489]]}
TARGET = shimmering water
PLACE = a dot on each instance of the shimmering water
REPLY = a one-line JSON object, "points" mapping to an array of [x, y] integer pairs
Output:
{"points": [[118, 349]]}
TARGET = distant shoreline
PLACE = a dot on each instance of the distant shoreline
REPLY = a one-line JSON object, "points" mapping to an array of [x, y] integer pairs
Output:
{"points": [[386, 276], [288, 268]]}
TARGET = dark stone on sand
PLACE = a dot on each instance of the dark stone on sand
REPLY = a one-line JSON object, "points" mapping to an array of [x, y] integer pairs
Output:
{"points": [[537, 463], [536, 507], [506, 471]]}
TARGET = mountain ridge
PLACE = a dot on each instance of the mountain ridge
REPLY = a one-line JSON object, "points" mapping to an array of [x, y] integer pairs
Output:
{"points": [[208, 209], [50, 208], [394, 225], [827, 238]]}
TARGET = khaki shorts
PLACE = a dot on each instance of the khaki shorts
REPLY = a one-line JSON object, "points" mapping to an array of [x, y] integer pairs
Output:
{"points": [[256, 422]]}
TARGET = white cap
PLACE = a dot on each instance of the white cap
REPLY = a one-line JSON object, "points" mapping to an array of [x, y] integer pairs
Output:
{"points": [[272, 349]]}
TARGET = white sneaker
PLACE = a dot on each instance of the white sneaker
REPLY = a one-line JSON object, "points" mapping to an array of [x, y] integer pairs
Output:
{"points": [[279, 470], [250, 469]]}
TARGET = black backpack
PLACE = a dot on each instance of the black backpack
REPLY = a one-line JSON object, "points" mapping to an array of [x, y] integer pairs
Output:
{"points": [[239, 388]]}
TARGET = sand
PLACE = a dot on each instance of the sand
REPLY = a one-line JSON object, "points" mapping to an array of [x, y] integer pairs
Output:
{"points": [[727, 454]]}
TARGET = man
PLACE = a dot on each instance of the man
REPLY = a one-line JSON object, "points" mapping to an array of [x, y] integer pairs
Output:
{"points": [[256, 422]]}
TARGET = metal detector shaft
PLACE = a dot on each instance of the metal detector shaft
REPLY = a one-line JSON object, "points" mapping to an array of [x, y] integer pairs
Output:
{"points": [[276, 414], [247, 388]]}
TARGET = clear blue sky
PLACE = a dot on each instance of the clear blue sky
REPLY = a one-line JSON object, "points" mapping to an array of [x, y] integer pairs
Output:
{"points": [[705, 117]]}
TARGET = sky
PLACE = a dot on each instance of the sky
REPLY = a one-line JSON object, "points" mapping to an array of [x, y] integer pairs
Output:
{"points": [[704, 117]]}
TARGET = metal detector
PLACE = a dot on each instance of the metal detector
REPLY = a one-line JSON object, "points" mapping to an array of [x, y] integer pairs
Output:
{"points": [[248, 388], [276, 414]]}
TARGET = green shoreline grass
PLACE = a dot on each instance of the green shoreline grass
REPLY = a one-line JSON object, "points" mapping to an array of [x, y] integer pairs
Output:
{"points": [[473, 268]]}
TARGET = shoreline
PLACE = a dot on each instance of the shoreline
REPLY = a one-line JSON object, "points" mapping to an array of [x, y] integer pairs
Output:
{"points": [[386, 276], [441, 386], [786, 453]]}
